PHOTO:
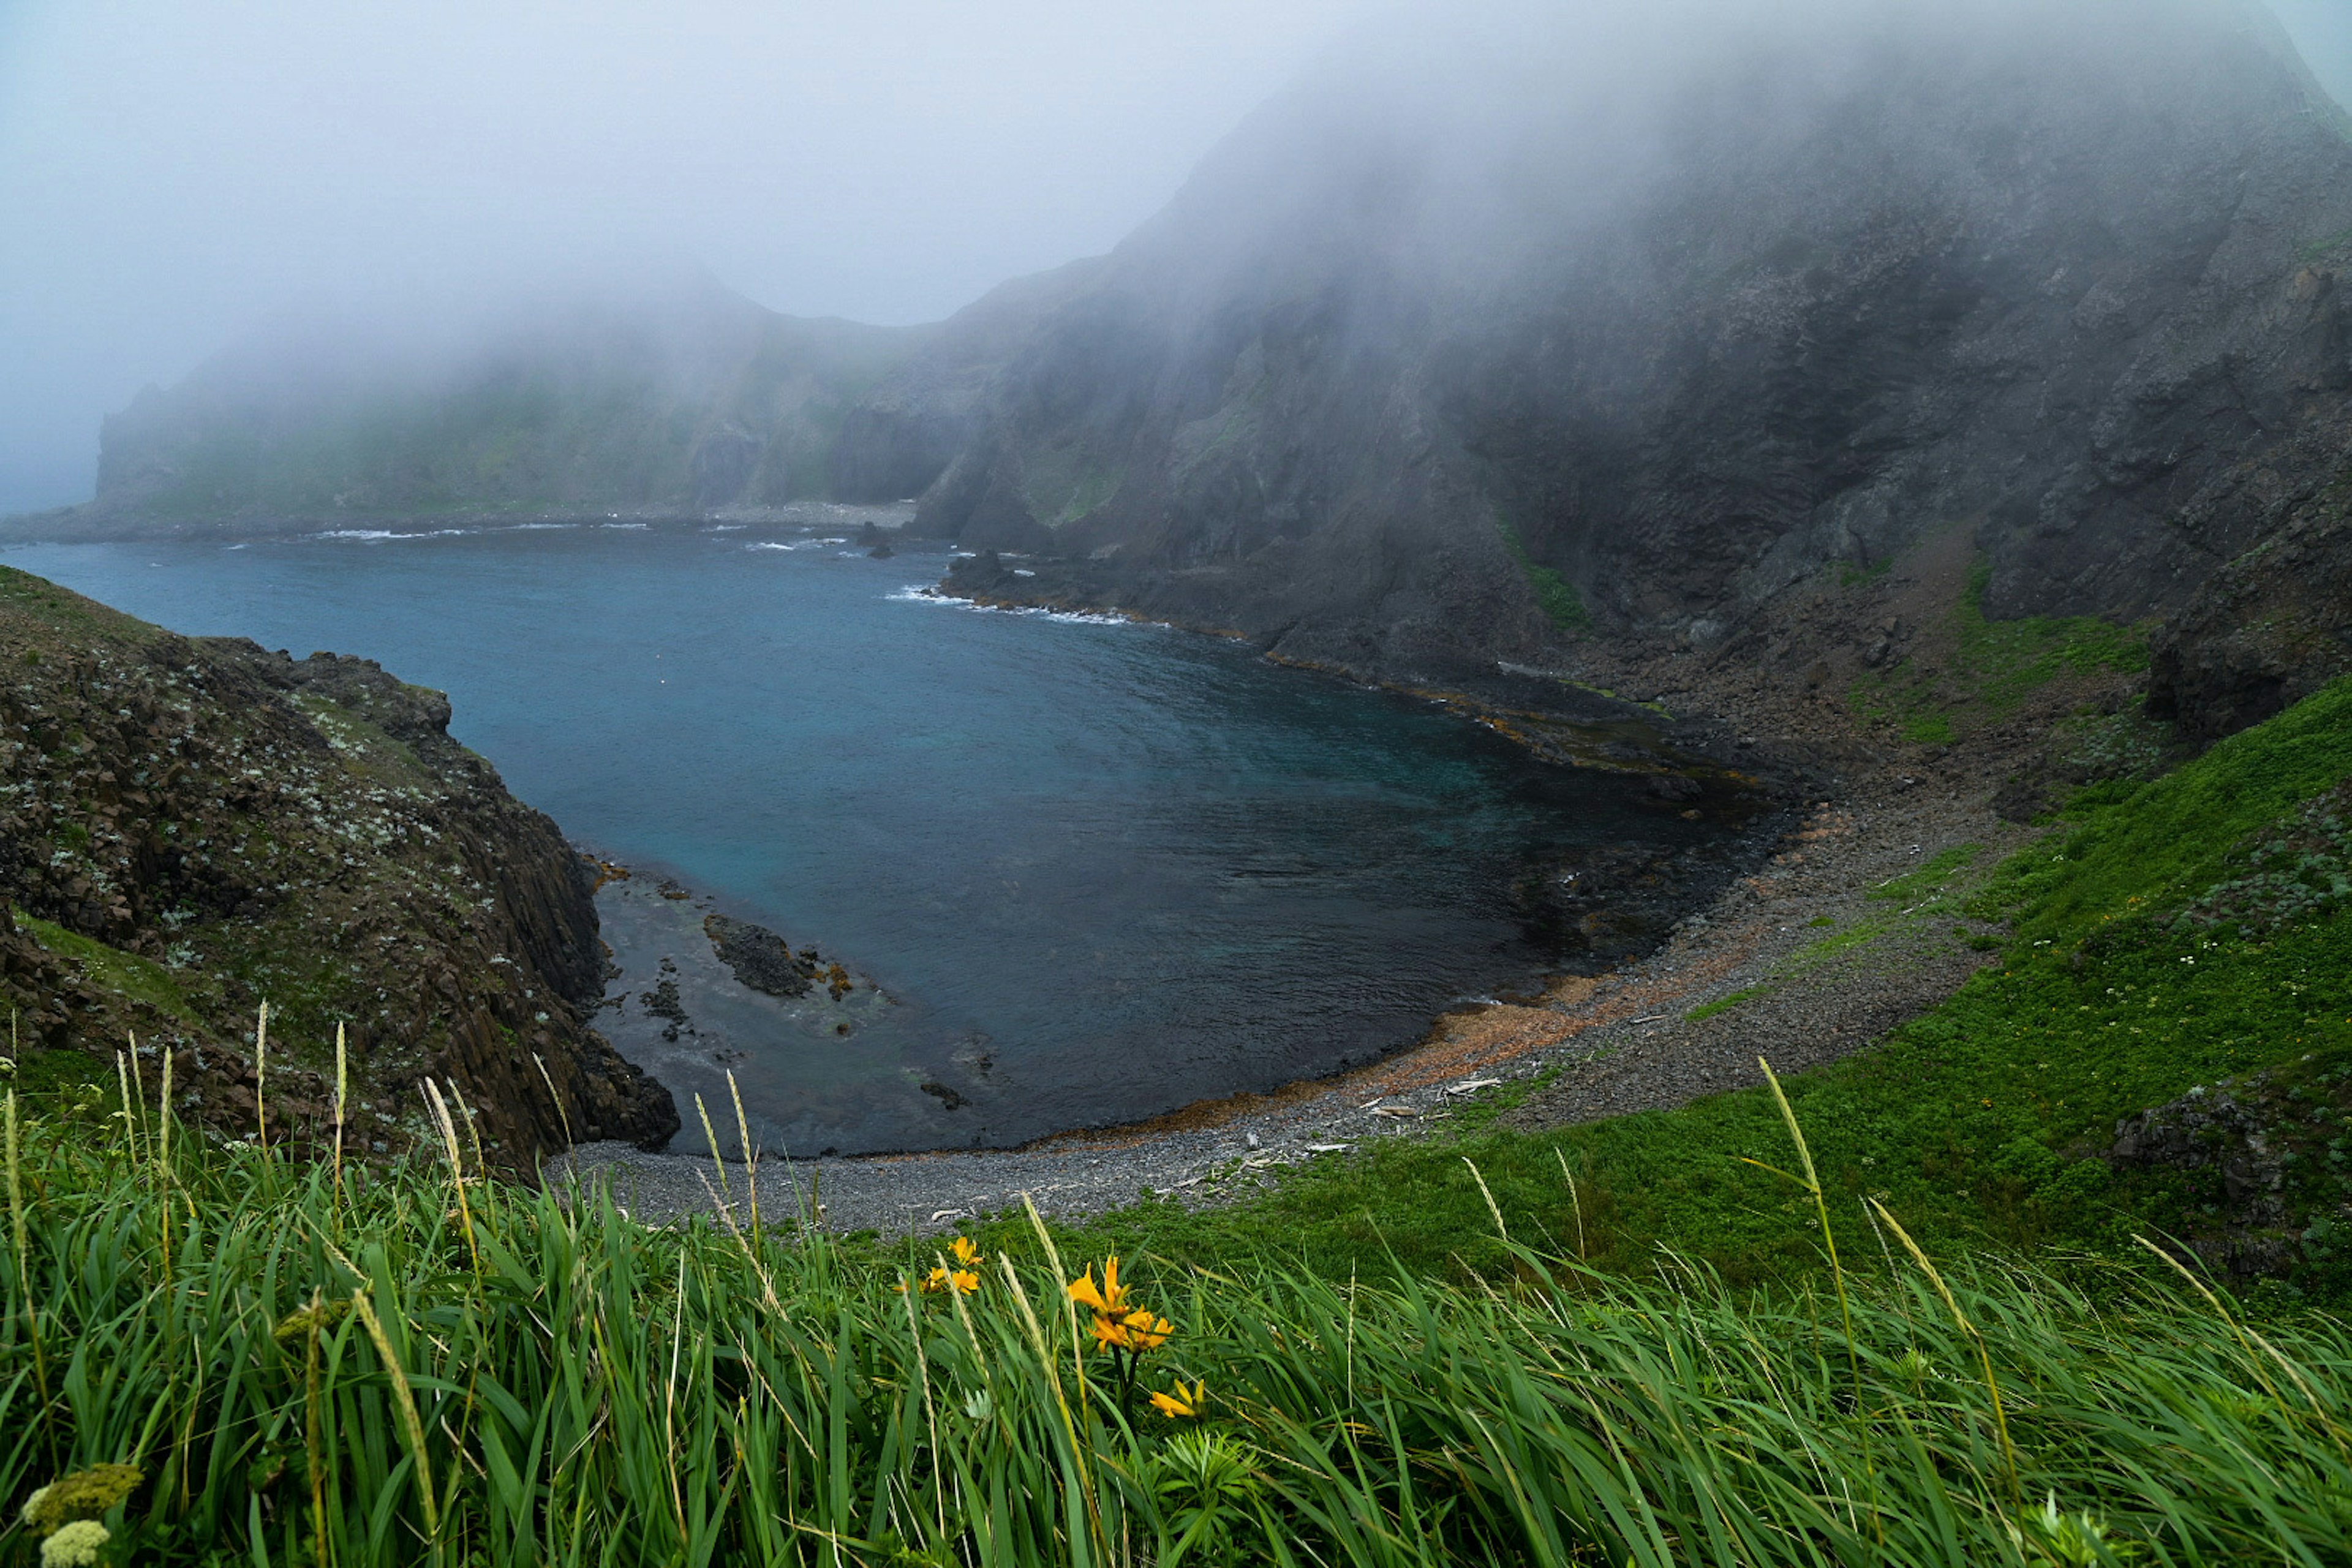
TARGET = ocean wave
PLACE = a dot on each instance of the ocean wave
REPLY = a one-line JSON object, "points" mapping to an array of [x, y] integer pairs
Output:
{"points": [[636, 525], [796, 544], [923, 594], [372, 535]]}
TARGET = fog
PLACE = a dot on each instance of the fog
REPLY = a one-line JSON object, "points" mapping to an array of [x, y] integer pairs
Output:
{"points": [[171, 171]]}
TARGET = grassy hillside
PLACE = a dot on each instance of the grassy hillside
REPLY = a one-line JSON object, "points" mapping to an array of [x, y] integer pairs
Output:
{"points": [[210, 1356], [1623, 1343]]}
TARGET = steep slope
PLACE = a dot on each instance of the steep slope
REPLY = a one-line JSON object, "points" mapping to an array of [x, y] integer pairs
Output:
{"points": [[2272, 626], [1599, 335], [675, 399], [191, 827]]}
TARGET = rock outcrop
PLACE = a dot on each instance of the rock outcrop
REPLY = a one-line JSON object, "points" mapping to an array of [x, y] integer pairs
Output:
{"points": [[191, 827], [2258, 1165], [2269, 629], [1404, 377]]}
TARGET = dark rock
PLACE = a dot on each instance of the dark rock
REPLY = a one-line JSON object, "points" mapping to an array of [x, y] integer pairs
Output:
{"points": [[2270, 628], [2229, 1138], [1348, 394], [257, 828], [760, 958]]}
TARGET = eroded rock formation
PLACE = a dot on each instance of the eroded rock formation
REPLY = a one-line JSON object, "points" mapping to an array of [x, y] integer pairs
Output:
{"points": [[193, 826]]}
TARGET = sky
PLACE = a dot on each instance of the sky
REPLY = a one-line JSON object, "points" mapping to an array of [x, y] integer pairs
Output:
{"points": [[170, 170], [174, 169]]}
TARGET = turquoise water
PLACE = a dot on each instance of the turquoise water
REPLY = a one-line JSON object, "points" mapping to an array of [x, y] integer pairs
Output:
{"points": [[1128, 867]]}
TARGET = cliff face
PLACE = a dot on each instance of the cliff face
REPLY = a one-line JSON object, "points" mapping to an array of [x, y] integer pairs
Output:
{"points": [[2271, 627], [679, 400], [1405, 386], [192, 826], [1576, 350]]}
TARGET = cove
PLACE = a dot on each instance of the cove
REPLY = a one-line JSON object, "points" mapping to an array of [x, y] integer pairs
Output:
{"points": [[1097, 869]]}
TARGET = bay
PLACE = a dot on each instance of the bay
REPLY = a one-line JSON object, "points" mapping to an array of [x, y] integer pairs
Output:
{"points": [[1099, 870]]}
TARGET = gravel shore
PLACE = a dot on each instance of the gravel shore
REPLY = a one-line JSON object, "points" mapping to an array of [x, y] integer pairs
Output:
{"points": [[1829, 966]]}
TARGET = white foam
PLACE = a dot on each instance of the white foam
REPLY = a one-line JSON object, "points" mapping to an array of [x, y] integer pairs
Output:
{"points": [[372, 535], [796, 544], [923, 594]]}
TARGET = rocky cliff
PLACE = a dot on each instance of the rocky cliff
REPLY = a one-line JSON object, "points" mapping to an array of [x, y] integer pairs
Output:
{"points": [[190, 827], [1615, 352], [1410, 379]]}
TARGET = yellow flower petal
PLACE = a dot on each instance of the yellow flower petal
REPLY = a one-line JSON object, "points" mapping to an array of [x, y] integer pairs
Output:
{"points": [[1183, 1400], [1145, 1332], [1082, 1291]]}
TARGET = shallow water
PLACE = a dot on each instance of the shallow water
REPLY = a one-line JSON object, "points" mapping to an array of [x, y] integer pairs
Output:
{"points": [[1100, 869]]}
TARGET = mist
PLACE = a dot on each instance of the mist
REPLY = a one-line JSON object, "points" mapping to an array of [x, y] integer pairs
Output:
{"points": [[174, 173]]}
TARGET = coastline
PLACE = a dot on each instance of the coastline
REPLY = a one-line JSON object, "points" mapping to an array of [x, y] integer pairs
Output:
{"points": [[1588, 1047], [1798, 959], [85, 525], [1215, 1149]]}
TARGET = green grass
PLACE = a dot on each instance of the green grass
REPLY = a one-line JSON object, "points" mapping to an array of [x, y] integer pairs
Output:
{"points": [[1994, 667], [1555, 594], [126, 973], [1726, 1003], [392, 1369], [1651, 1366], [1930, 878]]}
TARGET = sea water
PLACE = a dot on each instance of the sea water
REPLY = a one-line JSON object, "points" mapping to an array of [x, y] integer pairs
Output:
{"points": [[1099, 868]]}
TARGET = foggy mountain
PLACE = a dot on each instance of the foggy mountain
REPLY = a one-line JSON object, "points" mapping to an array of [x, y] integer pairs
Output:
{"points": [[1467, 346], [2070, 284]]}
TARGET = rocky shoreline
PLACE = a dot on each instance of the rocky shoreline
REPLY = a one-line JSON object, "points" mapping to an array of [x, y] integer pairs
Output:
{"points": [[1600, 1046], [1797, 958]]}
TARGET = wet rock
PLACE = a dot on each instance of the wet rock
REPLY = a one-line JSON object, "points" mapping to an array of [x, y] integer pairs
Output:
{"points": [[760, 958]]}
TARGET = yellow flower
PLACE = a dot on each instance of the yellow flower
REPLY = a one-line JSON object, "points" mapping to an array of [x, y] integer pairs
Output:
{"points": [[1183, 1400], [1109, 1334], [965, 1252], [1110, 1300], [1144, 1331], [964, 1280]]}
